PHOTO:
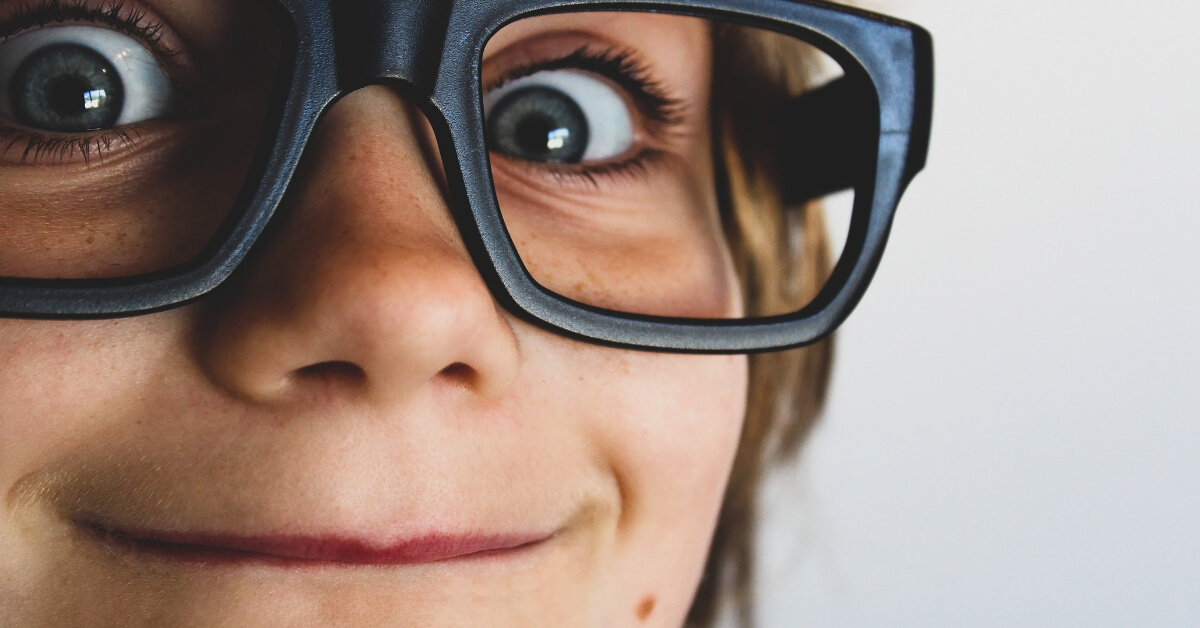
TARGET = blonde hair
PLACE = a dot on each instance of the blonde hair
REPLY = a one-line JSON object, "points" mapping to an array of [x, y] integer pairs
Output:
{"points": [[782, 257]]}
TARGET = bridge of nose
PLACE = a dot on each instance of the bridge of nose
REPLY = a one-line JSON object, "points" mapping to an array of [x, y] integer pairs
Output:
{"points": [[389, 39]]}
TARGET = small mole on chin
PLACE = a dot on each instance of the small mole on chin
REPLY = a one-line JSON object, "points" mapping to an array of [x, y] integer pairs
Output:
{"points": [[646, 608]]}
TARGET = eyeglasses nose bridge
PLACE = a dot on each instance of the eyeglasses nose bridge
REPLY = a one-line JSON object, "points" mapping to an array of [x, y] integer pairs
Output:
{"points": [[389, 39]]}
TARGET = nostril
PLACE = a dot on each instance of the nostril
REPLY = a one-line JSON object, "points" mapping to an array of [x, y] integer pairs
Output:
{"points": [[334, 372], [458, 373]]}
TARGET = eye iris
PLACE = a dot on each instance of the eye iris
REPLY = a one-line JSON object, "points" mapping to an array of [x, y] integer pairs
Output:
{"points": [[67, 88], [539, 124]]}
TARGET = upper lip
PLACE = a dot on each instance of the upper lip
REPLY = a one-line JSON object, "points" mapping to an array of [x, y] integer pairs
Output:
{"points": [[423, 548]]}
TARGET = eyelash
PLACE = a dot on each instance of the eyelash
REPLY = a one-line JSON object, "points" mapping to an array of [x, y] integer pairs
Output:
{"points": [[58, 149], [132, 21], [662, 112]]}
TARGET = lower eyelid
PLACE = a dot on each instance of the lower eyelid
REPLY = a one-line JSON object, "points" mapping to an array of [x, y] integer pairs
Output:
{"points": [[31, 148], [580, 177]]}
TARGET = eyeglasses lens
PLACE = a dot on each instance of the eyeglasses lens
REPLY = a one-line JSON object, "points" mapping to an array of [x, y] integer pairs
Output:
{"points": [[646, 163], [127, 136], [671, 166]]}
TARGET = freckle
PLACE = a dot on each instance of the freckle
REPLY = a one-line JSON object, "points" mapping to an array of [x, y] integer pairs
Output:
{"points": [[646, 607]]}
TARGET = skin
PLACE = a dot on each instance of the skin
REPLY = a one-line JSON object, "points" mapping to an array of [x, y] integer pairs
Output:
{"points": [[357, 379]]}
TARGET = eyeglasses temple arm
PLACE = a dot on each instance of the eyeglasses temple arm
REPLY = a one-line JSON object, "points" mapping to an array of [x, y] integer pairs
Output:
{"points": [[827, 139]]}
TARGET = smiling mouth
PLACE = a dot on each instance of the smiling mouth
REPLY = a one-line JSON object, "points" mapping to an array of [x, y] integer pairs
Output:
{"points": [[311, 550]]}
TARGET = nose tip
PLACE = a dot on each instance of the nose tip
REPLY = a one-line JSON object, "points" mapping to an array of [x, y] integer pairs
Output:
{"points": [[366, 281]]}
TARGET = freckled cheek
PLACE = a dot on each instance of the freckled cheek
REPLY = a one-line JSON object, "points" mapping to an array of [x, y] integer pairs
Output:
{"points": [[64, 382]]}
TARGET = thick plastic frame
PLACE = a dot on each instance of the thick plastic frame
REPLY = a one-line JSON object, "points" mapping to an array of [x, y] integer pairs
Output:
{"points": [[431, 52]]}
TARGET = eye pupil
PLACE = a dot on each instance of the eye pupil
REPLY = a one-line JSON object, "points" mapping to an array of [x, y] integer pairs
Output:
{"points": [[66, 88], [67, 95], [539, 124], [539, 133]]}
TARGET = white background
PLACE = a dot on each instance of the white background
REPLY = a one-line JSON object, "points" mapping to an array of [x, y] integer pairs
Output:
{"points": [[1014, 432]]}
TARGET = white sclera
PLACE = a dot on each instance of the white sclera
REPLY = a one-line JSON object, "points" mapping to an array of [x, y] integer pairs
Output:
{"points": [[610, 124], [148, 90]]}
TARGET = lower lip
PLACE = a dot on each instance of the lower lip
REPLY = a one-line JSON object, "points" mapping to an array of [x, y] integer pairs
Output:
{"points": [[308, 551]]}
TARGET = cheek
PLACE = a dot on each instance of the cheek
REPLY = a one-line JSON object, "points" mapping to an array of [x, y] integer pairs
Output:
{"points": [[671, 436], [65, 383], [72, 388], [680, 420]]}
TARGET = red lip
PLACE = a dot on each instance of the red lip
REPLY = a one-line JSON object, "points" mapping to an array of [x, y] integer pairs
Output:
{"points": [[303, 549]]}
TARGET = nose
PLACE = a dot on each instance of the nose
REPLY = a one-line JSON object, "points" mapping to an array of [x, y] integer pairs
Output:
{"points": [[364, 283]]}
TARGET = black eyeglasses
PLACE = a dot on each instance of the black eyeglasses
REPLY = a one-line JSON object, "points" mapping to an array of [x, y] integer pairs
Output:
{"points": [[645, 174]]}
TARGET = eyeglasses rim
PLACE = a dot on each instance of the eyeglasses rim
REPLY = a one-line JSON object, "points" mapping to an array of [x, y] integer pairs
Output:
{"points": [[893, 55]]}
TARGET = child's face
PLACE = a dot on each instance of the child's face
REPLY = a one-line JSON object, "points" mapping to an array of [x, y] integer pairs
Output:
{"points": [[352, 432]]}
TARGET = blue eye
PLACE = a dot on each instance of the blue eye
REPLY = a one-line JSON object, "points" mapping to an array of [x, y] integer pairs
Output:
{"points": [[73, 79], [558, 116]]}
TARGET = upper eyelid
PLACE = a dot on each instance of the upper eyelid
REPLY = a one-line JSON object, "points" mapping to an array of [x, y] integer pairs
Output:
{"points": [[124, 16], [562, 61], [619, 65]]}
